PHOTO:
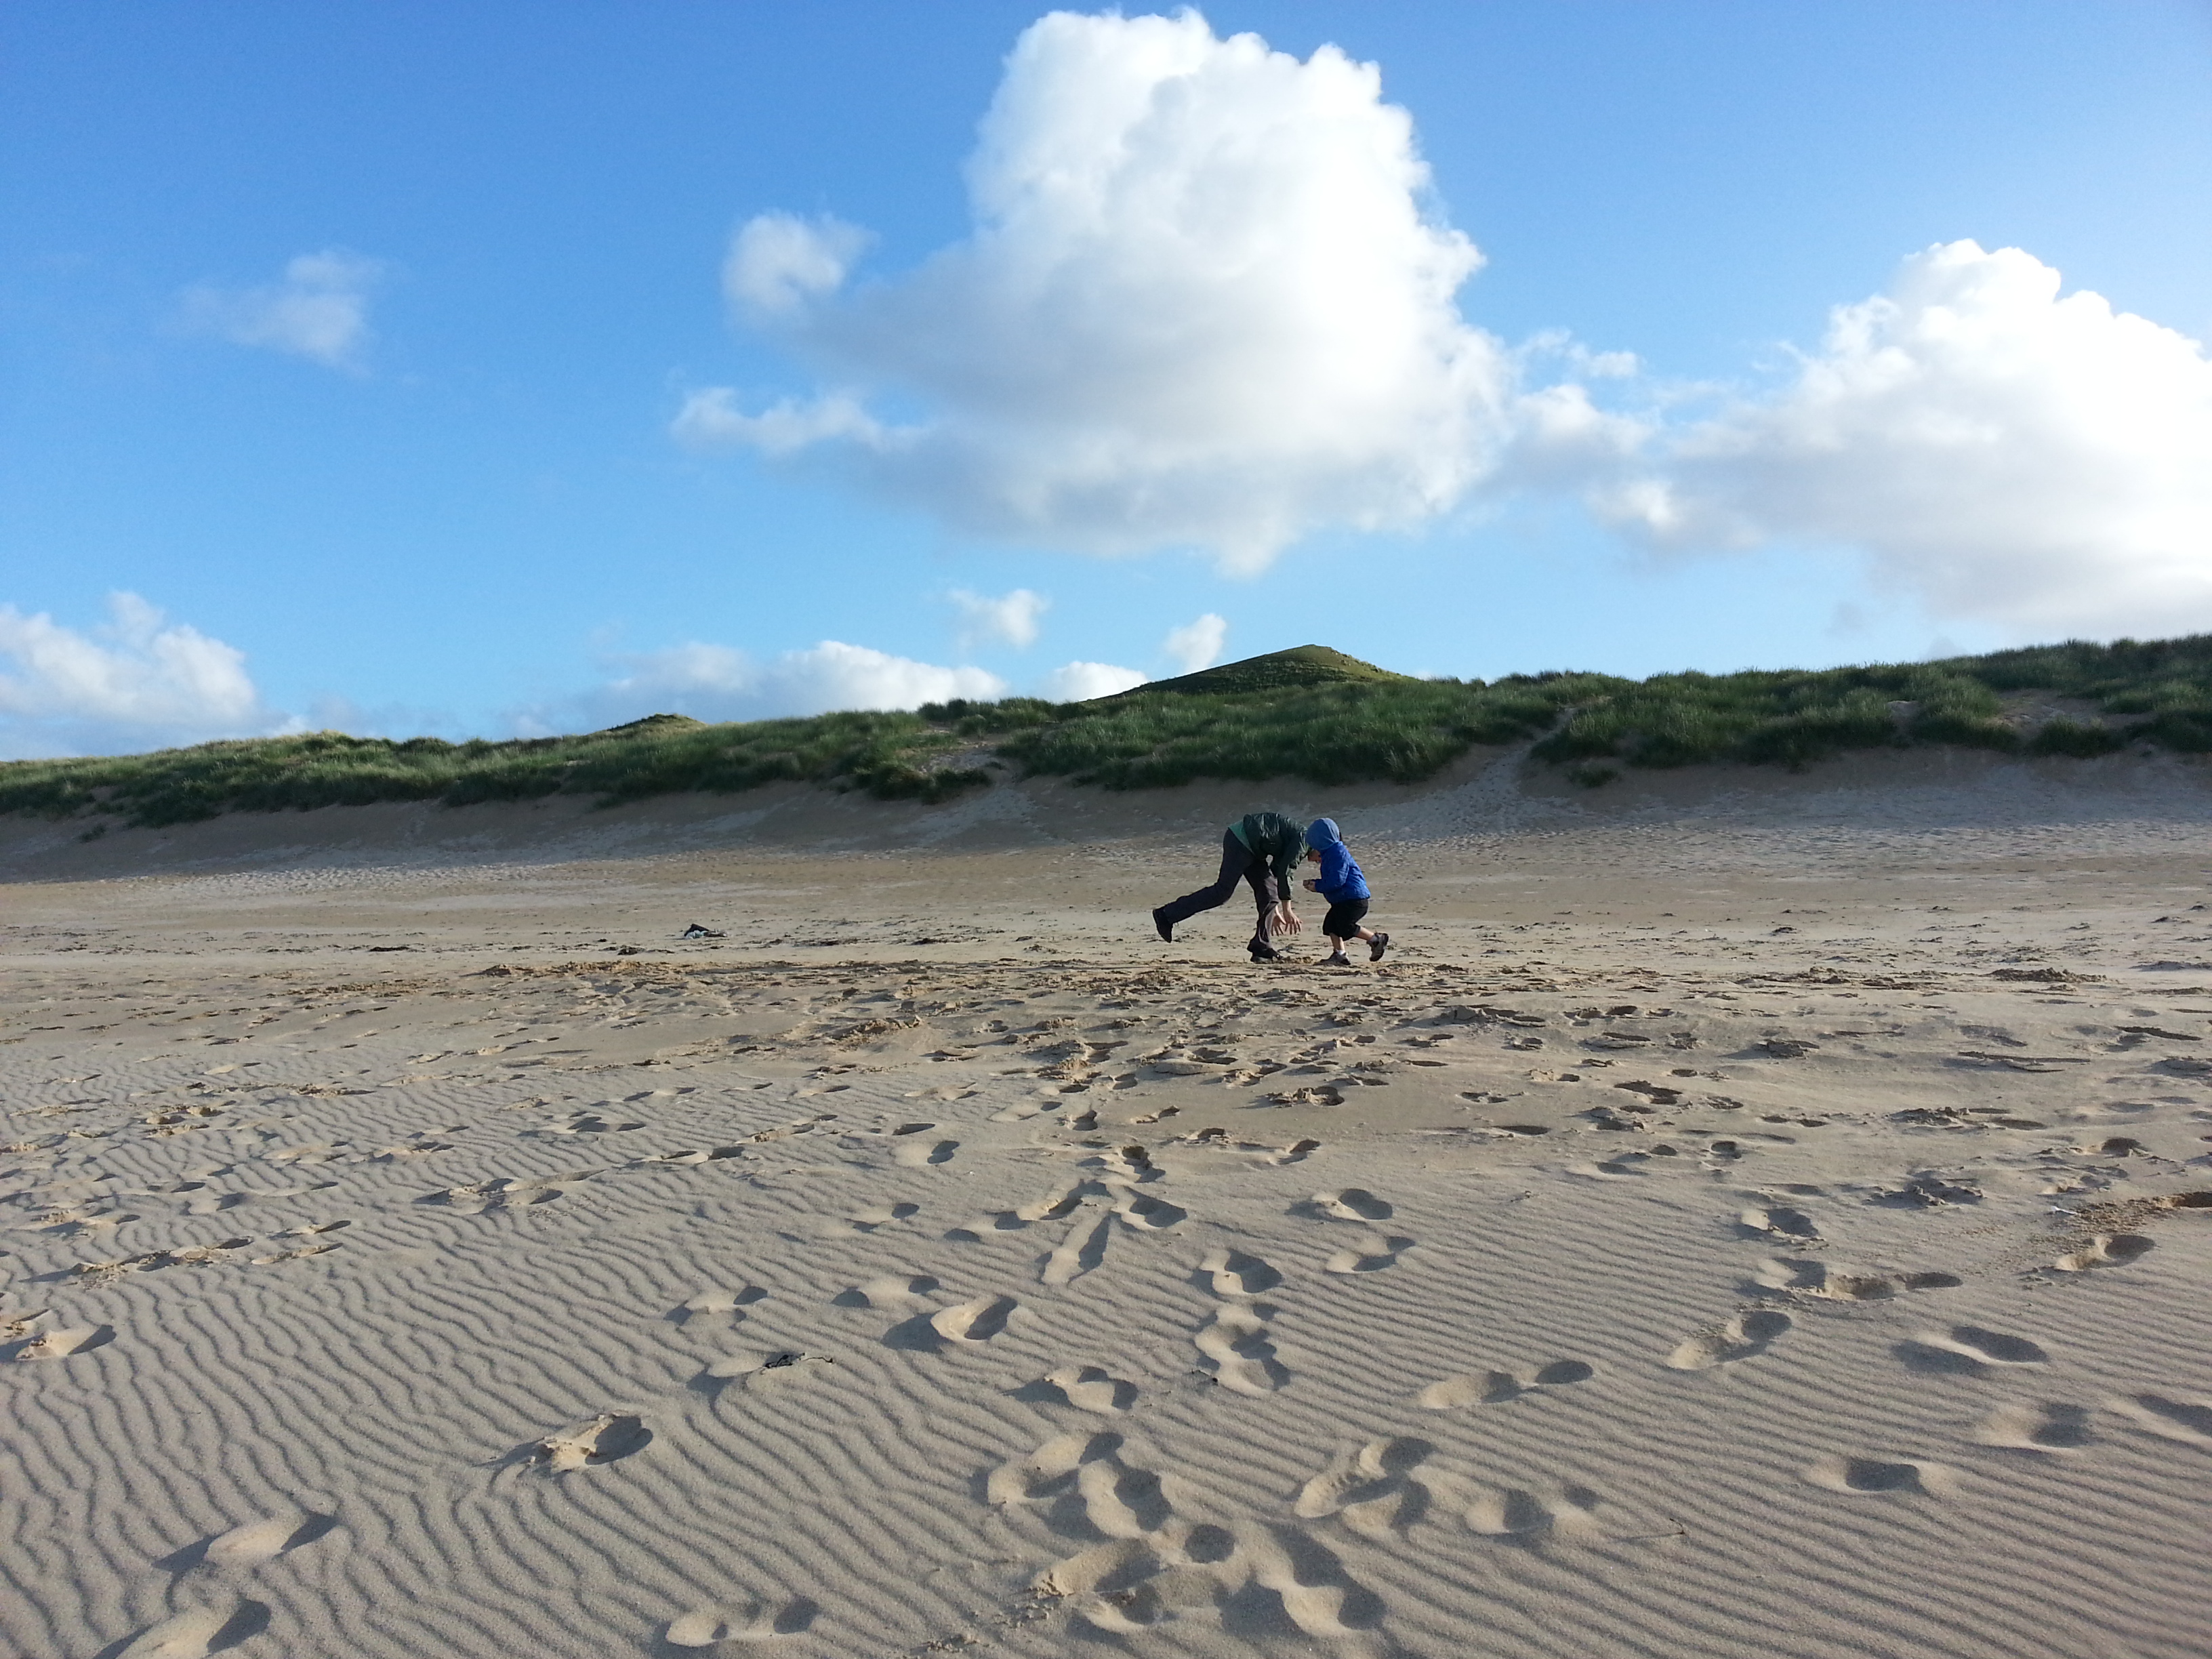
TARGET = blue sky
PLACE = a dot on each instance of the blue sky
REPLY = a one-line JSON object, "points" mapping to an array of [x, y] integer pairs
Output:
{"points": [[411, 367]]}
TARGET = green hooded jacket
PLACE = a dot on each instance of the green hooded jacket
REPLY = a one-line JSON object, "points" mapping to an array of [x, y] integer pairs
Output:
{"points": [[1276, 839]]}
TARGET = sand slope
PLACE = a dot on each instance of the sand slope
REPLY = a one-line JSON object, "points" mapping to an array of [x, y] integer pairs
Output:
{"points": [[1730, 1227]]}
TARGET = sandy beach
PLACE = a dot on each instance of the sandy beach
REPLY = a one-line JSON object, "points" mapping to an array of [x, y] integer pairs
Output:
{"points": [[1744, 1215]]}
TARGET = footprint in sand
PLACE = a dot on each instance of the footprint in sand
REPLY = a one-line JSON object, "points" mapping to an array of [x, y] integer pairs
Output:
{"points": [[1472, 1389], [1148, 1214], [606, 1438], [2105, 1250], [875, 1217], [744, 1619], [1495, 1388], [1235, 1340], [59, 1344], [1568, 1512], [1116, 1498], [1128, 1585], [1840, 1473], [709, 1303], [1966, 1350], [1371, 1490], [503, 1194], [1091, 1388], [989, 1226], [265, 1539], [975, 1320], [1626, 1166], [1317, 1593], [199, 1631], [1046, 1469], [925, 1154], [1232, 1272], [1369, 1252], [1748, 1334], [1051, 1206], [2037, 1428], [2189, 1421], [1775, 1221], [1352, 1204], [760, 1369], [1083, 1250], [896, 1291], [1819, 1279]]}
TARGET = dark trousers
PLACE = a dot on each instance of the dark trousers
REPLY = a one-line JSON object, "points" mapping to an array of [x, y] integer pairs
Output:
{"points": [[1239, 863], [1344, 918]]}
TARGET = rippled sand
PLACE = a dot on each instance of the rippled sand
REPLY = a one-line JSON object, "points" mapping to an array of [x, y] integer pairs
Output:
{"points": [[1749, 1220]]}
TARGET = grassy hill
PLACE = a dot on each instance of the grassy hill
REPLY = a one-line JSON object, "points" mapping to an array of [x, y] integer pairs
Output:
{"points": [[1309, 711], [1300, 666]]}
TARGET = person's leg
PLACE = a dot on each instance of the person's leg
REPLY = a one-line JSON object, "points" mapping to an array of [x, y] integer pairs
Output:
{"points": [[1260, 876], [1236, 860], [1342, 923]]}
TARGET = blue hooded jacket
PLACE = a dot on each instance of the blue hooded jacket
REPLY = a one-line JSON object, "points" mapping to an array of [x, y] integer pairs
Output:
{"points": [[1341, 878]]}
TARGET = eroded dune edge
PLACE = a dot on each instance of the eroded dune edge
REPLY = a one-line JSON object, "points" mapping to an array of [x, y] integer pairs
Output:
{"points": [[1761, 1224]]}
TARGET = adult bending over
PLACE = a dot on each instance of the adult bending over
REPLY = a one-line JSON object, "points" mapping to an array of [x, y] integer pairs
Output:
{"points": [[1261, 849]]}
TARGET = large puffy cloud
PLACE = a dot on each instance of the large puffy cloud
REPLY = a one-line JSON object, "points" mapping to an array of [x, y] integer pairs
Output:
{"points": [[719, 683], [1202, 304], [319, 311], [137, 682], [2010, 453]]}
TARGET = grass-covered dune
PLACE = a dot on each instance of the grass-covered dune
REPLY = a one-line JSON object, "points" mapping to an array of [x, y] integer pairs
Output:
{"points": [[1310, 712]]}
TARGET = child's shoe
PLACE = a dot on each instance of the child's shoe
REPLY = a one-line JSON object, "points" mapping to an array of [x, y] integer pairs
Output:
{"points": [[1376, 946], [1164, 927], [1339, 960]]}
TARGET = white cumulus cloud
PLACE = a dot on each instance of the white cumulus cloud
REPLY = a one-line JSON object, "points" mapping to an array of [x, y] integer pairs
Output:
{"points": [[719, 683], [136, 682], [1010, 619], [319, 311], [2007, 452], [1079, 682], [778, 262], [1203, 302], [712, 419], [1196, 645]]}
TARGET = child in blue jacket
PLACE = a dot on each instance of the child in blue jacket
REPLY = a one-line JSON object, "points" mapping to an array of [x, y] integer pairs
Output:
{"points": [[1346, 888]]}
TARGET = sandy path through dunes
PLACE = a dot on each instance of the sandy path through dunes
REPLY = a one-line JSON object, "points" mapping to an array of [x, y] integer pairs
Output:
{"points": [[1703, 1235]]}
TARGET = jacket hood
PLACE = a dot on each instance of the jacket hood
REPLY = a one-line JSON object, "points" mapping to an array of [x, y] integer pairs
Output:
{"points": [[1320, 833]]}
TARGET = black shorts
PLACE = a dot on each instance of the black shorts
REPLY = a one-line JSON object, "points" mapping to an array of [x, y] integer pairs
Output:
{"points": [[1343, 920]]}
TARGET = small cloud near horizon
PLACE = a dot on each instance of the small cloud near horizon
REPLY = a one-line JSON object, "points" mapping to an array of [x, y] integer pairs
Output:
{"points": [[136, 682], [722, 683], [1010, 619], [318, 311], [1079, 682], [1196, 645]]}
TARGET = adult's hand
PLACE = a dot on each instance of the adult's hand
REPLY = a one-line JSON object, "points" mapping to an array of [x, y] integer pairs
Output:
{"points": [[1286, 920]]}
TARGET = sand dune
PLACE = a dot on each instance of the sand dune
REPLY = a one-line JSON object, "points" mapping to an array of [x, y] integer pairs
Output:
{"points": [[1747, 1217]]}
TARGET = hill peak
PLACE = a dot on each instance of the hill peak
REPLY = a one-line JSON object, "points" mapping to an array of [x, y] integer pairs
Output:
{"points": [[1277, 671]]}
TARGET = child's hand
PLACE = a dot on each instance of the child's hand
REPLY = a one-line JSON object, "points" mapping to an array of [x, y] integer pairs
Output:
{"points": [[1313, 887]]}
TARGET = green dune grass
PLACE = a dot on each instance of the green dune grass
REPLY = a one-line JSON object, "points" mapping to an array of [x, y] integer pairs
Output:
{"points": [[1310, 713]]}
